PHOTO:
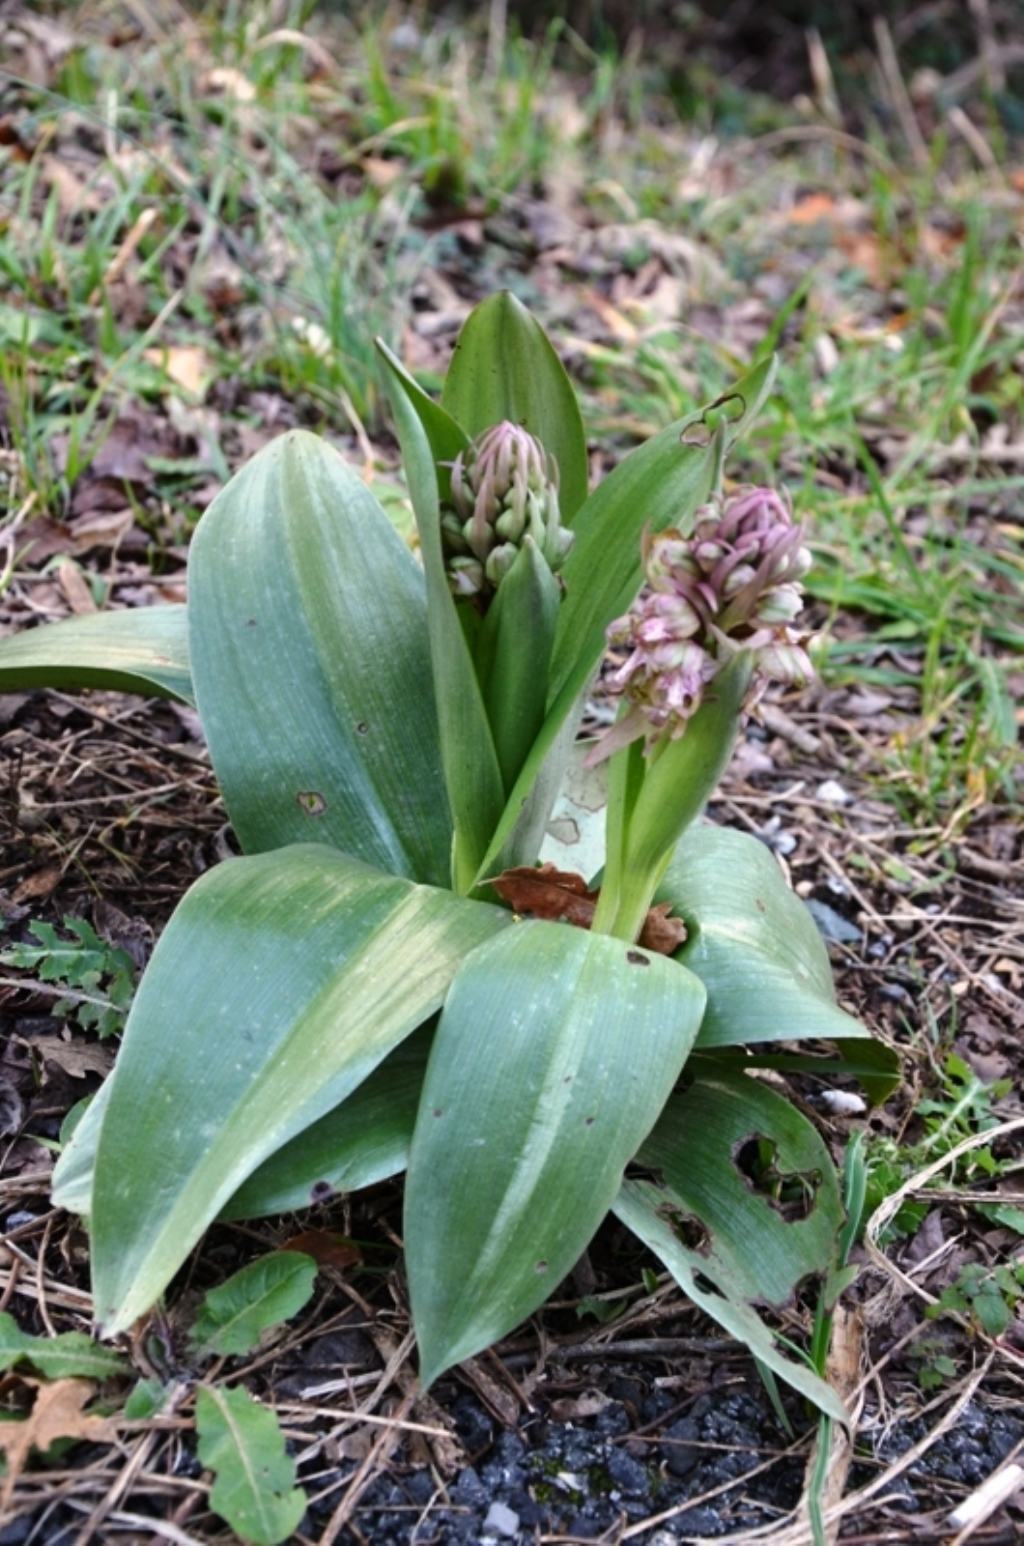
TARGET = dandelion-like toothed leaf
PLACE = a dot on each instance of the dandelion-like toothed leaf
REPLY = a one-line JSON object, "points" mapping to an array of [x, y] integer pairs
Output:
{"points": [[279, 985], [308, 629], [555, 1052], [143, 650]]}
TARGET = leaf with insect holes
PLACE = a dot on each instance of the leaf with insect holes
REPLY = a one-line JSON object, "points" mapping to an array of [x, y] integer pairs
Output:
{"points": [[68, 1356], [235, 1314], [254, 1476]]}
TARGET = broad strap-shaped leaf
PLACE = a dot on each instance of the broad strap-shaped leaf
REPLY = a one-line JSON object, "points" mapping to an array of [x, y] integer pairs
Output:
{"points": [[556, 1050], [363, 1140], [640, 1206], [311, 664], [504, 367], [752, 943], [254, 1488], [472, 776], [280, 983], [661, 483], [143, 650], [444, 437], [513, 653], [746, 1204]]}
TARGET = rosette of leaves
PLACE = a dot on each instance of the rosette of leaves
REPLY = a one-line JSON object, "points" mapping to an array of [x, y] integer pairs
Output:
{"points": [[350, 999]]}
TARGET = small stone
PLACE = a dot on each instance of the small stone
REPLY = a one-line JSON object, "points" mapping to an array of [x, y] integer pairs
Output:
{"points": [[627, 1474], [502, 1520], [832, 793], [843, 1103], [680, 1455]]}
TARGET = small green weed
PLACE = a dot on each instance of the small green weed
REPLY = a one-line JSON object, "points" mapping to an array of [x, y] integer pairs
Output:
{"points": [[97, 979], [988, 1296]]}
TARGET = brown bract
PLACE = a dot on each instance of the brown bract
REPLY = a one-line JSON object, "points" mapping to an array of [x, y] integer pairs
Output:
{"points": [[561, 896]]}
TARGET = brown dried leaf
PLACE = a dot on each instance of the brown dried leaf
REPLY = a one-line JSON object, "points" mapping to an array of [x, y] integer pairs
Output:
{"points": [[662, 933], [57, 1414], [76, 588], [326, 1248], [544, 891], [37, 885]]}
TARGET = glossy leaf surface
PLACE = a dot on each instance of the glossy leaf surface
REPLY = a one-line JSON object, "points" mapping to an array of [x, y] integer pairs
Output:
{"points": [[555, 1052], [472, 776], [752, 943], [746, 1204], [142, 650], [310, 659], [365, 1139], [280, 983], [504, 367]]}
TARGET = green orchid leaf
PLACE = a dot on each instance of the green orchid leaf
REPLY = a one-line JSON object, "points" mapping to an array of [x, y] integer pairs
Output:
{"points": [[279, 985], [661, 483], [71, 1355], [308, 631], [755, 1174], [746, 1204], [143, 650], [640, 1206], [513, 654], [555, 1052], [254, 1476], [875, 1066], [752, 943], [233, 1316], [472, 776], [364, 1140], [445, 438], [504, 367]]}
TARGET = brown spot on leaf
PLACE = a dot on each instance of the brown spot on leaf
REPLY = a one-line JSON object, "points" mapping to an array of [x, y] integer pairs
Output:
{"points": [[311, 801]]}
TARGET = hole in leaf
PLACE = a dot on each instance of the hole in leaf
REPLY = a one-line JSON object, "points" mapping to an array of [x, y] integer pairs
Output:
{"points": [[687, 1228], [706, 1286], [635, 958], [311, 801], [792, 1193], [362, 728]]}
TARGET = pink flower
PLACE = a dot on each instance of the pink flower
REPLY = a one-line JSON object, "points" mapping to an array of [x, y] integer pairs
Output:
{"points": [[734, 584]]}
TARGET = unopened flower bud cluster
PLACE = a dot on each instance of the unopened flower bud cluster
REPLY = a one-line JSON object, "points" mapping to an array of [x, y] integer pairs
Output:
{"points": [[735, 583], [504, 488]]}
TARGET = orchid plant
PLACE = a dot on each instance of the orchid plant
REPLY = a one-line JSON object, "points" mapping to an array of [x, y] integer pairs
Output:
{"points": [[398, 974]]}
